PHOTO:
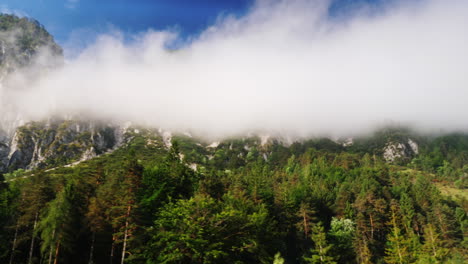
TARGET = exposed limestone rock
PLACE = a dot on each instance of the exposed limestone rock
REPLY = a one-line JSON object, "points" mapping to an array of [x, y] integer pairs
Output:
{"points": [[4, 151], [45, 144], [414, 147], [394, 150], [167, 138], [214, 144], [264, 139], [348, 142], [193, 166]]}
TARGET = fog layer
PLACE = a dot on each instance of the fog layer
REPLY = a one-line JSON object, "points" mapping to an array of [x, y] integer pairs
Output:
{"points": [[286, 66]]}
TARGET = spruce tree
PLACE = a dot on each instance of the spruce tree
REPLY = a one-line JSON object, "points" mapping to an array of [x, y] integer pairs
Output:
{"points": [[320, 253], [397, 250], [433, 249]]}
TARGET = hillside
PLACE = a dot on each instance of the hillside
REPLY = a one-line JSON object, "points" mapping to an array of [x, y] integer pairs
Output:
{"points": [[78, 190], [172, 198], [27, 52]]}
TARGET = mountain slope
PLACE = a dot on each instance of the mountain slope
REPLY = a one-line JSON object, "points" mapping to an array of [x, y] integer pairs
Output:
{"points": [[26, 48], [91, 191], [22, 40]]}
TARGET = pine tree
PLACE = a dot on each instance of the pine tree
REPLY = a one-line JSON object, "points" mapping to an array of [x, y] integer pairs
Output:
{"points": [[407, 215], [306, 215], [370, 221], [445, 220], [6, 218], [397, 250], [363, 254], [58, 223], [124, 216], [433, 249], [34, 196], [320, 252], [407, 212]]}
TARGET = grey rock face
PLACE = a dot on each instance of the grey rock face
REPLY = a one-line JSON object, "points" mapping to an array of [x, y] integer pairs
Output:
{"points": [[21, 40], [28, 49], [4, 151], [400, 150], [46, 144]]}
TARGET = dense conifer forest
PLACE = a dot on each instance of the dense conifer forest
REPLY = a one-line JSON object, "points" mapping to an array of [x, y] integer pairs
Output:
{"points": [[312, 201]]}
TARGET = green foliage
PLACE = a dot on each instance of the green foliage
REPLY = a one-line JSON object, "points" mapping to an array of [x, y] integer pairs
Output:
{"points": [[313, 201], [320, 252], [13, 175], [398, 245], [433, 250], [278, 259], [57, 227], [204, 230], [341, 235]]}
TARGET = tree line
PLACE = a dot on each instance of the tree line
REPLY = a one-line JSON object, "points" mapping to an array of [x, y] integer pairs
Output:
{"points": [[313, 203]]}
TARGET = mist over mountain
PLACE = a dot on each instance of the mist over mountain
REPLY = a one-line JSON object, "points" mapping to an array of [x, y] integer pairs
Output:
{"points": [[287, 70], [285, 67], [290, 134], [27, 53]]}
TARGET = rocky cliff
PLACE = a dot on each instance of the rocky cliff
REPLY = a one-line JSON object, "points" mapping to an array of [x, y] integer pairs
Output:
{"points": [[57, 142], [24, 42], [26, 48]]}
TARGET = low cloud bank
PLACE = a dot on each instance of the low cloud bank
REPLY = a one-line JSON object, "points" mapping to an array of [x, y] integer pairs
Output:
{"points": [[285, 67]]}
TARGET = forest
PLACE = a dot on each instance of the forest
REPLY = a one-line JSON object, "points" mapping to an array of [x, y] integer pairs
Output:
{"points": [[313, 201]]}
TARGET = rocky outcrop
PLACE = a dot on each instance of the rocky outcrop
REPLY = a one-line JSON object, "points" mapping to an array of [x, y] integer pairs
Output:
{"points": [[48, 144], [27, 50], [403, 150], [4, 151], [23, 42]]}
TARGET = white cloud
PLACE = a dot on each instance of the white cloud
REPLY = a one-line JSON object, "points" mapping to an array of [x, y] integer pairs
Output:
{"points": [[284, 67]]}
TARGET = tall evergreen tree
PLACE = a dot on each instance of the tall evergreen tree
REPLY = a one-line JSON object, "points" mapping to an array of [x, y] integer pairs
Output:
{"points": [[398, 249], [57, 226], [433, 249], [320, 253]]}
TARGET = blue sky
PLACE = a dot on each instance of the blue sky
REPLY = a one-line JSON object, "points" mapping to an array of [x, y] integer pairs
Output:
{"points": [[64, 18], [61, 17]]}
